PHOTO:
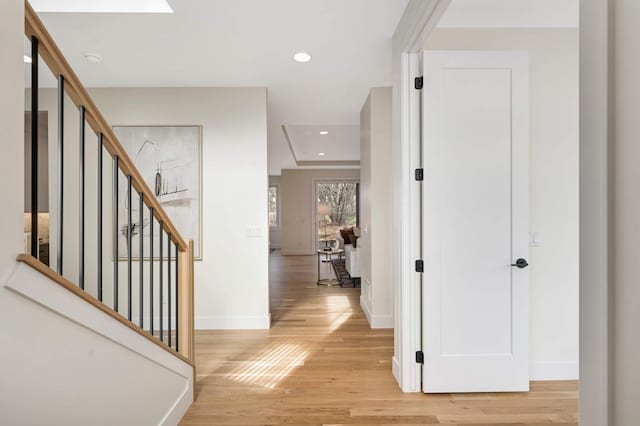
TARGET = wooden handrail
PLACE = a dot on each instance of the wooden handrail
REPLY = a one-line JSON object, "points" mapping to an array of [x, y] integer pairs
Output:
{"points": [[68, 285], [51, 54], [57, 63]]}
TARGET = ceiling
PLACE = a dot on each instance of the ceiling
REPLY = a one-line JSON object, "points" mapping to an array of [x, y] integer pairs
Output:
{"points": [[246, 43], [252, 42], [339, 146], [511, 14]]}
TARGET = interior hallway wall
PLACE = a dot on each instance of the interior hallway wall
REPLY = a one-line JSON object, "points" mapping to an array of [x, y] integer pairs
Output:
{"points": [[554, 187], [234, 194], [12, 134], [376, 296]]}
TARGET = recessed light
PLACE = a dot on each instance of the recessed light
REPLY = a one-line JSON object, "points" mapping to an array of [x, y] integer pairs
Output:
{"points": [[27, 59], [302, 57], [321, 154], [324, 132], [92, 58]]}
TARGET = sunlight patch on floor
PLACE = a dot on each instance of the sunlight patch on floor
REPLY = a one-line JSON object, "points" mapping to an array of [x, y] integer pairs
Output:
{"points": [[338, 310], [270, 366]]}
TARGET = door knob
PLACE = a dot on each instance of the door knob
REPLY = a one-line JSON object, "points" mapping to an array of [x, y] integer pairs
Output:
{"points": [[520, 263]]}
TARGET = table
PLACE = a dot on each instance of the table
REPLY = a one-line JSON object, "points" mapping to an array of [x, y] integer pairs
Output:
{"points": [[329, 282]]}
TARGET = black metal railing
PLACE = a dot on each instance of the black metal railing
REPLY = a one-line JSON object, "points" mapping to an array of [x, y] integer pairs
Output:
{"points": [[90, 273]]}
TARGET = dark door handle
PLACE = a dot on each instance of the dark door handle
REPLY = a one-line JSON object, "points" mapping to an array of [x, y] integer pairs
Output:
{"points": [[520, 263]]}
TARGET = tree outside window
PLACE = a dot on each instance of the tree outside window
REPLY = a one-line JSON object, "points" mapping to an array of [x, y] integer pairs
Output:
{"points": [[337, 209]]}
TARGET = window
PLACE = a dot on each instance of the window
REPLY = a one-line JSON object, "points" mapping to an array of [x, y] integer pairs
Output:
{"points": [[273, 206], [337, 208]]}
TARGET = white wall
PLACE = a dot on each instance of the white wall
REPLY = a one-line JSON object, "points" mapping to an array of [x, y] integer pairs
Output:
{"points": [[234, 120], [234, 196], [554, 184], [376, 296], [626, 176], [72, 364], [11, 136]]}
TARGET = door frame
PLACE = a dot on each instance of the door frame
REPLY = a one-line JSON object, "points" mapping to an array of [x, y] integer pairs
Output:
{"points": [[596, 215], [417, 22], [596, 124]]}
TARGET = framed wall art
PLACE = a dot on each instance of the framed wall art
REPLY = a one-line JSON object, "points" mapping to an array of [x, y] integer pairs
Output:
{"points": [[169, 159]]}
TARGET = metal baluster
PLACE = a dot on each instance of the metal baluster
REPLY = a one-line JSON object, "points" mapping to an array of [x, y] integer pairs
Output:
{"points": [[60, 171], [151, 270], [34, 146], [100, 165], [161, 310], [141, 257], [129, 247], [115, 232], [169, 288], [81, 202]]}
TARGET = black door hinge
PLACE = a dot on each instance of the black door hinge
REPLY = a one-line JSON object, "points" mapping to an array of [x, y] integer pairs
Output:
{"points": [[419, 266], [420, 175], [418, 82], [420, 357]]}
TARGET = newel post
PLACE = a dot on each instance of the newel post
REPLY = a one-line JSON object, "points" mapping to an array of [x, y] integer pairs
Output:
{"points": [[186, 308]]}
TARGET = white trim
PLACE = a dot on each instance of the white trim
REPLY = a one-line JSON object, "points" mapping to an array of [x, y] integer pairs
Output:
{"points": [[375, 321], [366, 309], [297, 252], [419, 19], [395, 367], [558, 370], [233, 322], [596, 128]]}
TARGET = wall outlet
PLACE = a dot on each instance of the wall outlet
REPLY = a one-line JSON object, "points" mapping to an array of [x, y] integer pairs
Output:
{"points": [[254, 232]]}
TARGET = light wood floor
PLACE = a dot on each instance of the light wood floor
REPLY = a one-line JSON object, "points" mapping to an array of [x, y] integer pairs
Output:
{"points": [[321, 364]]}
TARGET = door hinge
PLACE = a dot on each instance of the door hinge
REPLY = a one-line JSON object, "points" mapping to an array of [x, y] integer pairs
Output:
{"points": [[420, 175], [420, 357], [419, 266], [418, 82]]}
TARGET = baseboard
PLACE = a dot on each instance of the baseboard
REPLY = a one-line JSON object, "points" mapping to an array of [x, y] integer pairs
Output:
{"points": [[562, 370], [375, 321], [382, 321], [233, 322], [395, 369], [300, 252], [365, 308]]}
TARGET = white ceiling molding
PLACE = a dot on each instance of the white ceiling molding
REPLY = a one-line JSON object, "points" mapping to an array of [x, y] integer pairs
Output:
{"points": [[511, 14], [340, 146]]}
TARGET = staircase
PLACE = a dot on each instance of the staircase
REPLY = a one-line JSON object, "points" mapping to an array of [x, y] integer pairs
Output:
{"points": [[103, 333]]}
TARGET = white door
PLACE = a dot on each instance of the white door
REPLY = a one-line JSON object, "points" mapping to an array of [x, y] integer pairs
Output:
{"points": [[475, 221]]}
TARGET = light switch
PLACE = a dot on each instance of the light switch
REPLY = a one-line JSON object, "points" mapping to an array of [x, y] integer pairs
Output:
{"points": [[254, 231], [534, 239]]}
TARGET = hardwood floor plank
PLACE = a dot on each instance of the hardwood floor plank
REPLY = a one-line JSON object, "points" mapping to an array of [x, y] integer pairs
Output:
{"points": [[321, 364]]}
